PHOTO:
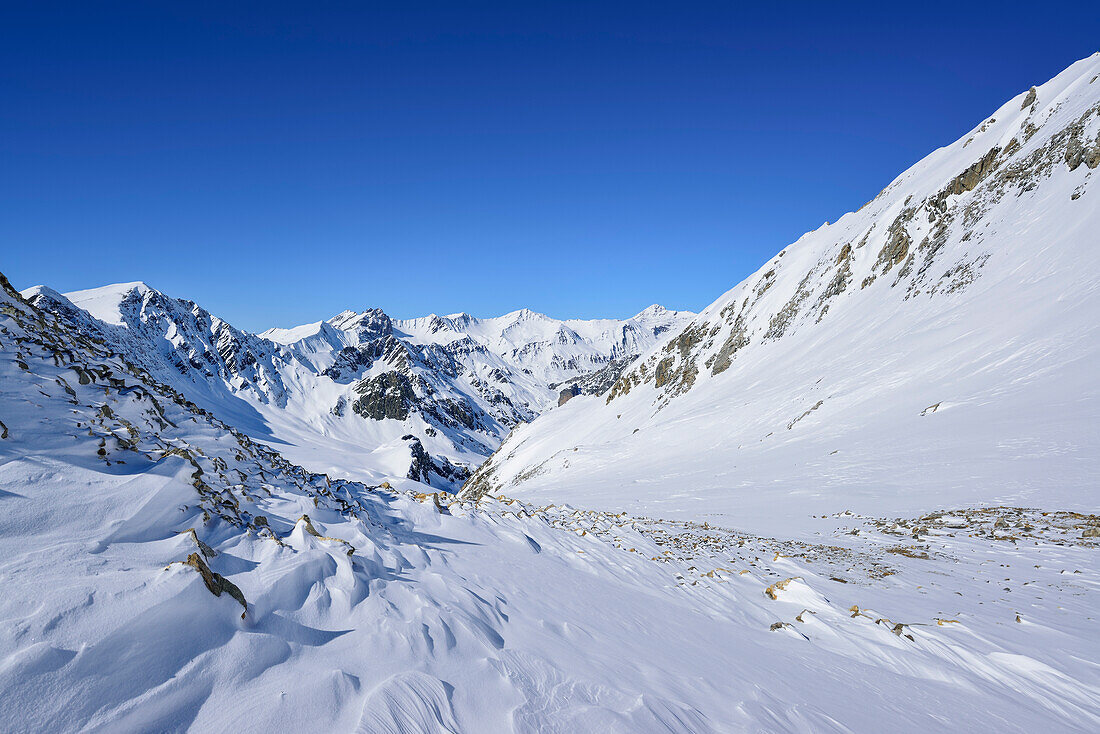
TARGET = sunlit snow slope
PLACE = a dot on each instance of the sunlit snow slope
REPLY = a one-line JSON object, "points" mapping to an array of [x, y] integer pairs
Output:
{"points": [[938, 347], [163, 572]]}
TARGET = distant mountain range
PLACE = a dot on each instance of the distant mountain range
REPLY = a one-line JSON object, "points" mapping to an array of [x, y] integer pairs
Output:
{"points": [[363, 395], [857, 493]]}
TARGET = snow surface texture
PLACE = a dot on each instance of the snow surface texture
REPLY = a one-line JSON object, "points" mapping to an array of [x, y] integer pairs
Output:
{"points": [[936, 348], [361, 395], [163, 571]]}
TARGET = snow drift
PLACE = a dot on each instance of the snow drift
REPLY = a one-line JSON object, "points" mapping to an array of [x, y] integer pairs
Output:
{"points": [[163, 570]]}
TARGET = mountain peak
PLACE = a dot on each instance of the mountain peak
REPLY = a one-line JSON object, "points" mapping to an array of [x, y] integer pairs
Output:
{"points": [[349, 319], [655, 309], [41, 290], [525, 314], [297, 333], [104, 302]]}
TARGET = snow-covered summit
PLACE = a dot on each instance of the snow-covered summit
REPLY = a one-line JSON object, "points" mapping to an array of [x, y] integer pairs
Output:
{"points": [[104, 303], [295, 334]]}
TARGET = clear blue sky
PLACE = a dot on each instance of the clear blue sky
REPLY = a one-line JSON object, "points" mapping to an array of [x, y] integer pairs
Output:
{"points": [[279, 163]]}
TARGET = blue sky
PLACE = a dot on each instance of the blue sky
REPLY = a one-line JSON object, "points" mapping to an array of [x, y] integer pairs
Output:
{"points": [[279, 163]]}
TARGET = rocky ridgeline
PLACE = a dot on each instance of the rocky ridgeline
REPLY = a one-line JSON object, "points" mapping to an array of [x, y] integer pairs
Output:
{"points": [[458, 394], [902, 243], [172, 338], [134, 419], [594, 383], [181, 344]]}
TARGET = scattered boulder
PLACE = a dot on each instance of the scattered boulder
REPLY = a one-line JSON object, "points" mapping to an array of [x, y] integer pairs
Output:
{"points": [[772, 591], [307, 526], [215, 582]]}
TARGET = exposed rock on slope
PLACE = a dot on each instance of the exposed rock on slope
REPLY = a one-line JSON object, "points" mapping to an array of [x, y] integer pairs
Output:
{"points": [[969, 283], [141, 525], [187, 578], [336, 393]]}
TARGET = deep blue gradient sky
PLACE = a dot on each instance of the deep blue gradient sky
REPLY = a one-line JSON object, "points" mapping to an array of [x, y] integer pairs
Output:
{"points": [[279, 163]]}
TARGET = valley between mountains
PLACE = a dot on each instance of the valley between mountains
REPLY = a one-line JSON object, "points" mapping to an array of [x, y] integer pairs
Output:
{"points": [[858, 492]]}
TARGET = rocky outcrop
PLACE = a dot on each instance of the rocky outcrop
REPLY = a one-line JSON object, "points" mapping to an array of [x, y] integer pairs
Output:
{"points": [[423, 468], [564, 396], [481, 483], [215, 582], [1032, 95], [386, 396], [354, 361], [970, 178], [1080, 151], [598, 382]]}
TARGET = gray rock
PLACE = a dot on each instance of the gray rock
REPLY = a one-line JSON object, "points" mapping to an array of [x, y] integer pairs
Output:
{"points": [[568, 394]]}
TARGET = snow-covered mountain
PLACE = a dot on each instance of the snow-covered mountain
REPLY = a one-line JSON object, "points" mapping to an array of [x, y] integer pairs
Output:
{"points": [[938, 346], [362, 395], [165, 571]]}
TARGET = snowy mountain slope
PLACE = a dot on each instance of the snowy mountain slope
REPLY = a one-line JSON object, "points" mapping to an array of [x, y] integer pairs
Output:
{"points": [[164, 572], [361, 395], [936, 348]]}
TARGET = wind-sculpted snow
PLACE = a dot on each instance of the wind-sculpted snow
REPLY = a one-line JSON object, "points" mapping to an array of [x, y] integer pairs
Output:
{"points": [[937, 347], [164, 572], [856, 494]]}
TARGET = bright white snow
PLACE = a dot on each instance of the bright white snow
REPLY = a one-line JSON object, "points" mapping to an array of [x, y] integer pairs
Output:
{"points": [[965, 377], [784, 566]]}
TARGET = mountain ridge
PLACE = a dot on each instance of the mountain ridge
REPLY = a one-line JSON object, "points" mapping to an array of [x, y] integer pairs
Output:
{"points": [[362, 381], [924, 294], [183, 577], [856, 493]]}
